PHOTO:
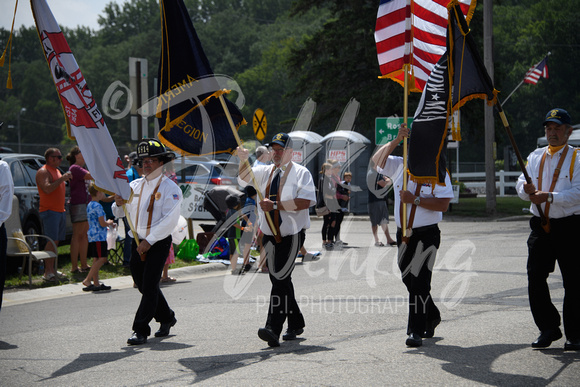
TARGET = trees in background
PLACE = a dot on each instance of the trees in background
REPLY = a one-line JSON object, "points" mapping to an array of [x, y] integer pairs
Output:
{"points": [[282, 52]]}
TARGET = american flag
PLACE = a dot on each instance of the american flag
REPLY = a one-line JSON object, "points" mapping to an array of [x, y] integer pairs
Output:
{"points": [[538, 71], [413, 32]]}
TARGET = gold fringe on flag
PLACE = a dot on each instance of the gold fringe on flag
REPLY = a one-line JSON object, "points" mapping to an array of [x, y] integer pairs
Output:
{"points": [[9, 49]]}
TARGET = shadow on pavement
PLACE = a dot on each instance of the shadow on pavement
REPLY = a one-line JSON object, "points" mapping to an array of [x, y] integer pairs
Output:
{"points": [[89, 360], [207, 367], [475, 363], [4, 345]]}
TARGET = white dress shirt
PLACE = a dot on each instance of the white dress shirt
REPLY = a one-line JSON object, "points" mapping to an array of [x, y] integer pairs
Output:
{"points": [[423, 217], [6, 192], [298, 185], [567, 189], [166, 209]]}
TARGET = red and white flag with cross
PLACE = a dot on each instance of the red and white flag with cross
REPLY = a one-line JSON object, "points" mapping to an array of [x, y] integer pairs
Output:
{"points": [[83, 118]]}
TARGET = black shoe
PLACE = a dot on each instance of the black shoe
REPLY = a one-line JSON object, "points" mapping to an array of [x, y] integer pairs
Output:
{"points": [[414, 340], [572, 345], [165, 327], [90, 288], [101, 287], [292, 333], [268, 335], [137, 339], [430, 332], [546, 338]]}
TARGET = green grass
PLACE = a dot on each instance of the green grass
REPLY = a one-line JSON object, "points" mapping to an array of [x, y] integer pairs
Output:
{"points": [[64, 265], [476, 207]]}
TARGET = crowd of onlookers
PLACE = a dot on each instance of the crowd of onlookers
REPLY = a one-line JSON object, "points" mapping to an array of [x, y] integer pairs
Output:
{"points": [[333, 203], [90, 214]]}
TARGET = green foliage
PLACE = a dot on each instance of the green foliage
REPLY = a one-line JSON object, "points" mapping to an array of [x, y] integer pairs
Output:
{"points": [[524, 32], [283, 51], [476, 207], [338, 63]]}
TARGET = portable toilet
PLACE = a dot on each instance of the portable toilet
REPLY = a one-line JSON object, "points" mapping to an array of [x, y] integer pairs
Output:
{"points": [[306, 146], [353, 151]]}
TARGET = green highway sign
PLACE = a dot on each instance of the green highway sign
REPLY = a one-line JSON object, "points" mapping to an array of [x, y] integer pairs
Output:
{"points": [[386, 128]]}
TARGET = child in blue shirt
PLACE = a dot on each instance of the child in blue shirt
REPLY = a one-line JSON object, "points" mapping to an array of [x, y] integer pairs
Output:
{"points": [[97, 240]]}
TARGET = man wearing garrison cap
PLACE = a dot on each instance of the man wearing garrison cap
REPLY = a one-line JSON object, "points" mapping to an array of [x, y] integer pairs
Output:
{"points": [[288, 191], [555, 195]]}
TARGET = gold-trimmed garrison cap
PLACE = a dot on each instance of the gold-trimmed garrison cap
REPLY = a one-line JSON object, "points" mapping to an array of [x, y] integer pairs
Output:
{"points": [[282, 139], [559, 116]]}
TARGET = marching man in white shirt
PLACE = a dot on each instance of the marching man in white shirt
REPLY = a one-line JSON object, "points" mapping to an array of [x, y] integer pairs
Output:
{"points": [[6, 192], [425, 206], [288, 191], [555, 188], [154, 211]]}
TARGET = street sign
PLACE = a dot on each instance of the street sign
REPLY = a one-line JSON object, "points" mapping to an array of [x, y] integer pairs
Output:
{"points": [[260, 124], [386, 128]]}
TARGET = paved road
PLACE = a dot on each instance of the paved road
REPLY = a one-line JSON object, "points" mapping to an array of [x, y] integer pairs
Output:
{"points": [[355, 309]]}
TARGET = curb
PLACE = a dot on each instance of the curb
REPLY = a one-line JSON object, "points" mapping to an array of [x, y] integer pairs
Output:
{"points": [[34, 295]]}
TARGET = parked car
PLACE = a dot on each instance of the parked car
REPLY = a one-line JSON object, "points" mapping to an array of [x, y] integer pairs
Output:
{"points": [[195, 176], [23, 168]]}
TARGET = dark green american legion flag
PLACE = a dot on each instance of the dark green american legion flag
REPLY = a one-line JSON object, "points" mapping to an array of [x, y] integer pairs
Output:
{"points": [[458, 77], [191, 118]]}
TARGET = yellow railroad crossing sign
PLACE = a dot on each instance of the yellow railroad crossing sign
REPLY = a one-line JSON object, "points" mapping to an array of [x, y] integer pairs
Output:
{"points": [[260, 124]]}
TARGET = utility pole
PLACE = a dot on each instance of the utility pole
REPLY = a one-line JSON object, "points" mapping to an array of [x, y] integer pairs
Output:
{"points": [[490, 195], [23, 110]]}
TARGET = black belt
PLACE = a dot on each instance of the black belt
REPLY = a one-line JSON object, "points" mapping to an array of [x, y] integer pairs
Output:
{"points": [[422, 228], [571, 218]]}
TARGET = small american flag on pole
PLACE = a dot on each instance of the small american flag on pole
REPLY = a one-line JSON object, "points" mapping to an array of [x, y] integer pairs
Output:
{"points": [[540, 70], [413, 32]]}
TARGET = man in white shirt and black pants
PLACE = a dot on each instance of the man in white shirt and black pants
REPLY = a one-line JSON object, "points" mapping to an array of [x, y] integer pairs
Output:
{"points": [[288, 191], [417, 254], [6, 193], [154, 211], [555, 188]]}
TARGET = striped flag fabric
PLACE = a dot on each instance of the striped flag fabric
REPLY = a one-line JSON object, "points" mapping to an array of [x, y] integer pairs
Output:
{"points": [[83, 117], [413, 32], [458, 77], [539, 70]]}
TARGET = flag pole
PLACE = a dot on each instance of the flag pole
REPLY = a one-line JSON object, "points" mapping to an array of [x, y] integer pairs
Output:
{"points": [[277, 236], [513, 91], [130, 223], [545, 221], [405, 152]]}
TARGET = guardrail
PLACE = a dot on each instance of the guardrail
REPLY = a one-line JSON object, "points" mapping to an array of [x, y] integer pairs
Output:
{"points": [[477, 180]]}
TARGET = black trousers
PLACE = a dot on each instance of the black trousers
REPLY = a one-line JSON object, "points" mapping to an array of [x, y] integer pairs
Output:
{"points": [[339, 218], [416, 266], [328, 230], [147, 275], [3, 246], [543, 252], [281, 257]]}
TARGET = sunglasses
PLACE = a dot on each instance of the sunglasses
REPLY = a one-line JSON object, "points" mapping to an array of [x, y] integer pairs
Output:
{"points": [[58, 157]]}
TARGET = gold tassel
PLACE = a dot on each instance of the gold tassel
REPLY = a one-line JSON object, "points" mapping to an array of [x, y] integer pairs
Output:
{"points": [[9, 48], [9, 81]]}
